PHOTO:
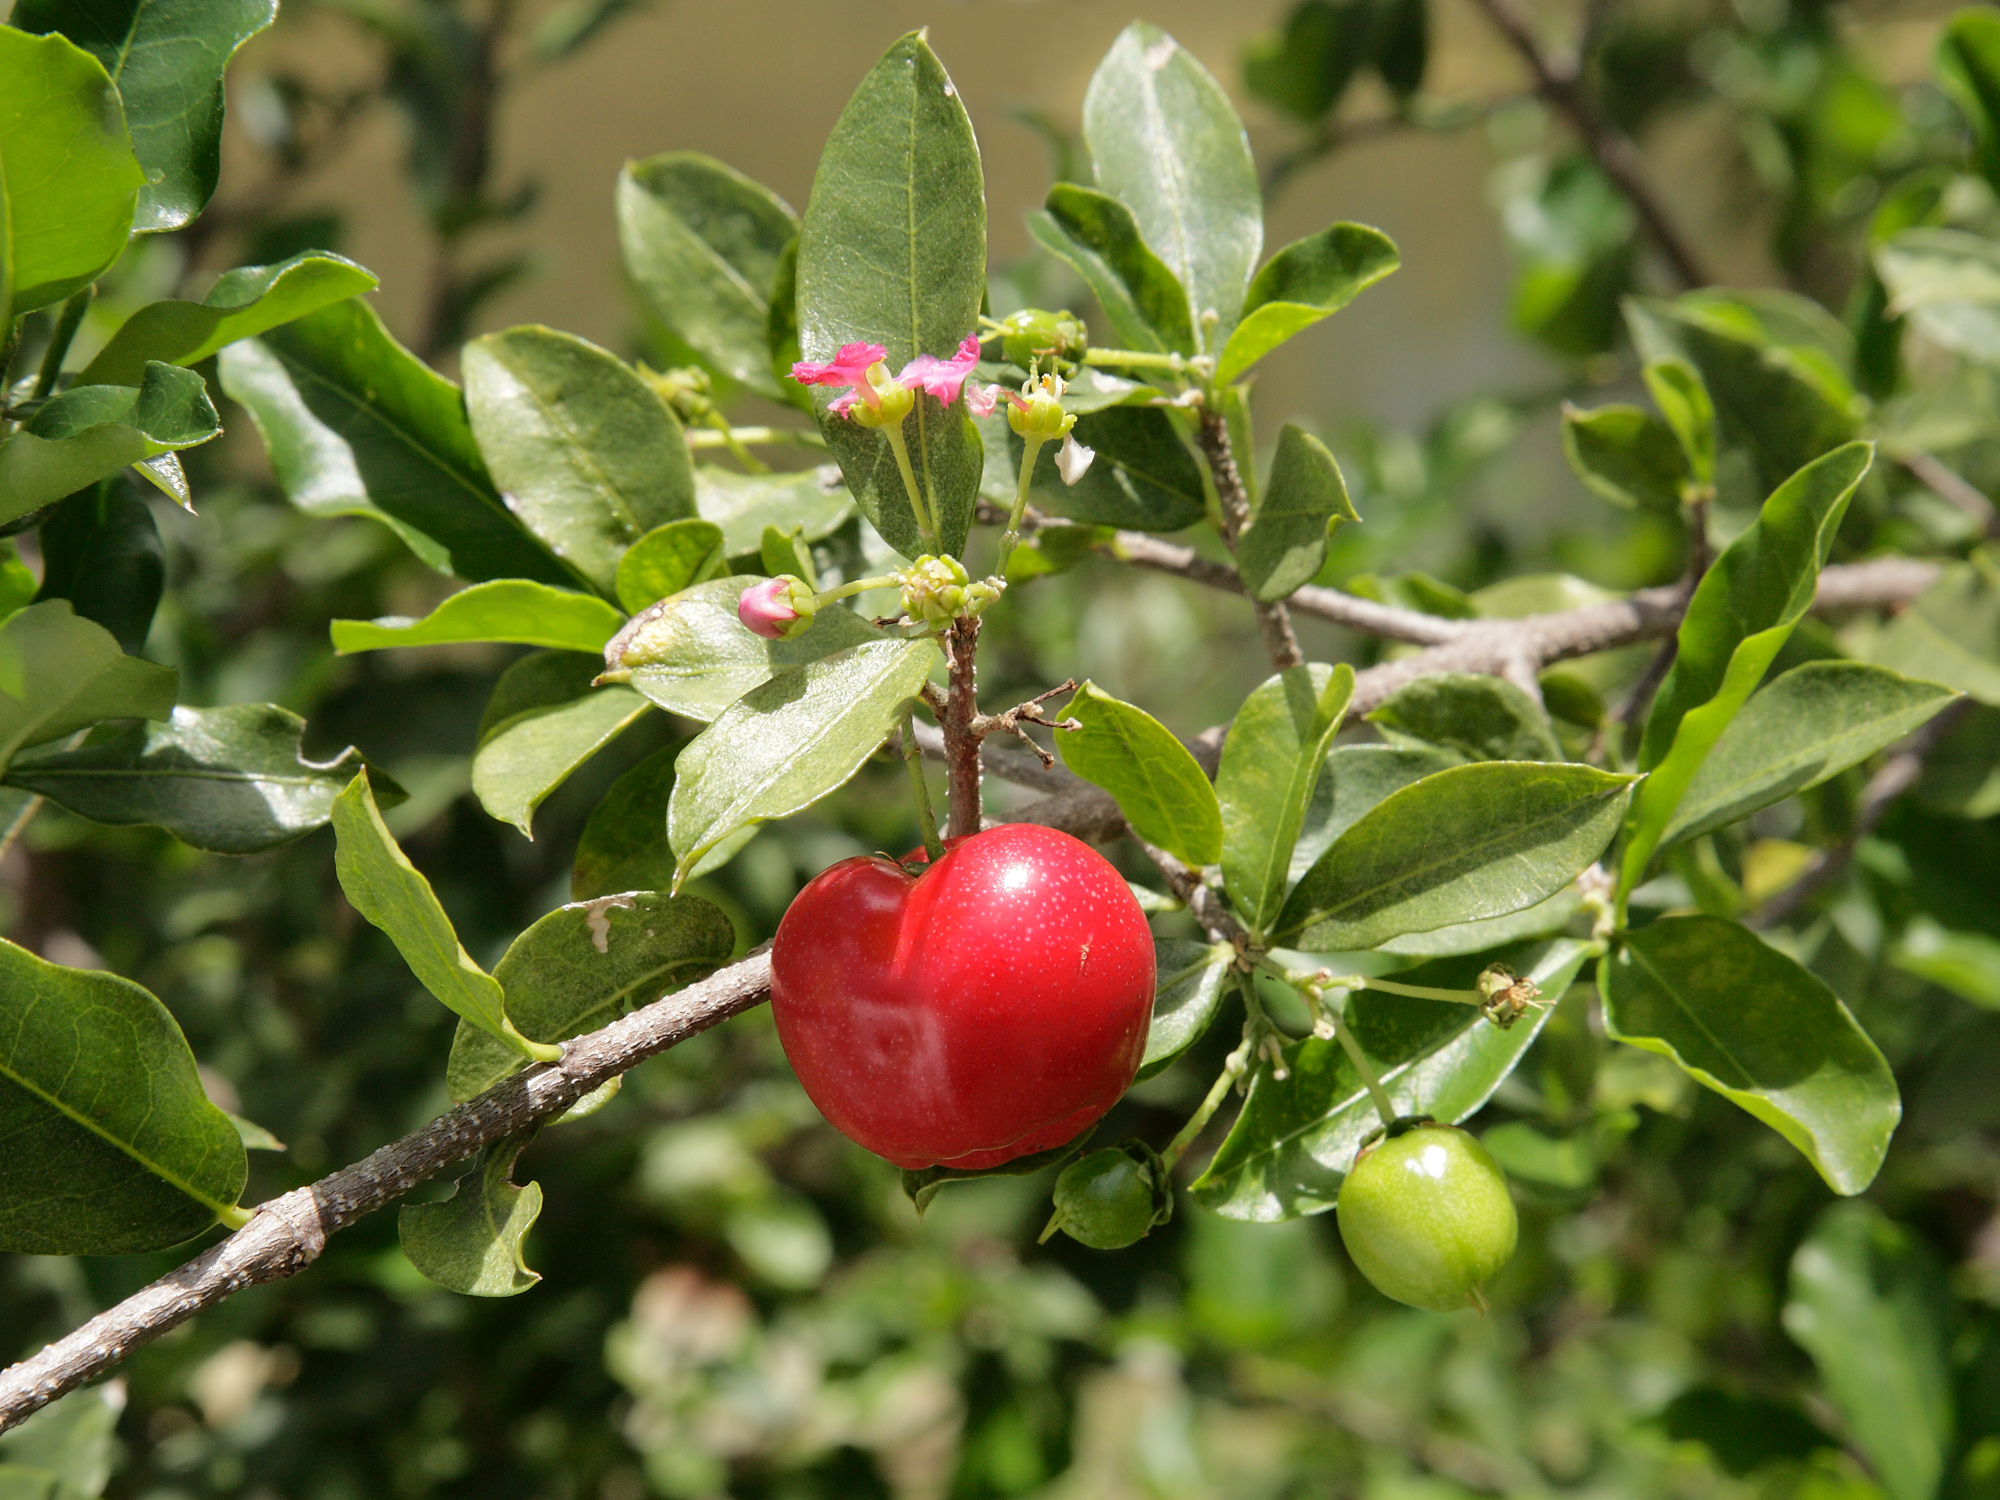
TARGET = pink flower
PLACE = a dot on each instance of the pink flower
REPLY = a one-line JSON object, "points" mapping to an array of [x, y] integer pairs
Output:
{"points": [[942, 377], [861, 368], [980, 400], [772, 608], [849, 367]]}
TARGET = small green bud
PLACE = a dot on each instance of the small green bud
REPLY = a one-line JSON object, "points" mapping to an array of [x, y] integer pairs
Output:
{"points": [[1038, 413], [1111, 1198], [1033, 334], [934, 590]]}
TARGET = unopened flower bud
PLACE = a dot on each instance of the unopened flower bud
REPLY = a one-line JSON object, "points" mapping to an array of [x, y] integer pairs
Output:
{"points": [[778, 608], [934, 590]]}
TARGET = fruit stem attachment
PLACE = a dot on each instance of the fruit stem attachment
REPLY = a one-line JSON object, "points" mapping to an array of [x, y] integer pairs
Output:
{"points": [[919, 788], [1232, 1069], [894, 433], [1384, 1105], [1031, 447]]}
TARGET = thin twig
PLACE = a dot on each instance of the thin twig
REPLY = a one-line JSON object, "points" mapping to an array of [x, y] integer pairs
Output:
{"points": [[961, 707], [1948, 484], [1274, 621]]}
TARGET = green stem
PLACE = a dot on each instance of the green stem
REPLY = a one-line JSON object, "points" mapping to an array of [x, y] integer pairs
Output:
{"points": [[769, 437], [913, 762], [1011, 537], [1238, 1063], [1384, 1105], [894, 433], [859, 586], [1139, 359], [67, 323], [719, 424], [1414, 991]]}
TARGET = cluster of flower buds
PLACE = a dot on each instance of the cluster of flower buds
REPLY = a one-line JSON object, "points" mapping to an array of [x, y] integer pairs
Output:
{"points": [[938, 590]]}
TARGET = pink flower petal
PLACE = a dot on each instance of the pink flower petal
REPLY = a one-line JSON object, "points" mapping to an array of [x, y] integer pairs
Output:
{"points": [[942, 377], [981, 399], [848, 367], [766, 608]]}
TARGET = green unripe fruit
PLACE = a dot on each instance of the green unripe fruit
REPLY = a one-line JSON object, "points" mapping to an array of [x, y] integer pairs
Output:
{"points": [[1035, 335], [1110, 1198], [1427, 1217]]}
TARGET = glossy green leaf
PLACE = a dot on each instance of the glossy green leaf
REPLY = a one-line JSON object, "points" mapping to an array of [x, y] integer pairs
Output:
{"points": [[585, 453], [1143, 478], [1467, 715], [1303, 503], [892, 251], [1295, 1137], [1097, 237], [1748, 1022], [1626, 455], [1950, 633], [1271, 763], [383, 886], [68, 179], [1157, 783], [101, 551], [1467, 843], [60, 673], [1742, 612], [1543, 919], [703, 243], [112, 1147], [783, 746], [92, 431], [168, 62], [1166, 142], [472, 1241], [1870, 1304], [1684, 405], [583, 966], [744, 504], [668, 559], [512, 610], [1947, 283], [691, 654], [242, 304], [1308, 280], [1809, 724], [1193, 978], [1968, 66], [545, 719], [229, 780], [1357, 777], [355, 424]]}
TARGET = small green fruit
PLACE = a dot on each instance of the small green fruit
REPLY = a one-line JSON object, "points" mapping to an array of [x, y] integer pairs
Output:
{"points": [[1427, 1217], [1110, 1198]]}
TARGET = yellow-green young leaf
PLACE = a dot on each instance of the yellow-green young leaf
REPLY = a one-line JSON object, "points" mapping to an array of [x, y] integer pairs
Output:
{"points": [[1158, 785], [1296, 1136], [1683, 401], [1308, 280], [744, 504], [1271, 762], [1284, 545], [1951, 632], [1096, 235], [512, 610], [90, 432], [388, 890], [1626, 455], [1463, 845], [545, 719], [1193, 978], [472, 1241], [783, 551], [112, 1147], [892, 251], [1748, 1022], [59, 674], [1469, 716], [1947, 283], [668, 559], [781, 747]]}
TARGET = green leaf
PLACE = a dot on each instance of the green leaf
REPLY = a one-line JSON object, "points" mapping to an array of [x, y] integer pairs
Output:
{"points": [[471, 1242], [101, 551], [1950, 633], [388, 890], [1271, 763], [624, 845], [1167, 144], [1143, 478], [782, 746], [1308, 280], [784, 552], [1811, 723], [1684, 405], [744, 504], [1869, 1303], [1305, 69], [702, 243], [168, 62], [1097, 237], [1748, 1022], [112, 1147], [1947, 283], [1158, 785], [355, 424], [668, 559], [1543, 919], [70, 1444], [229, 780], [1357, 777], [1966, 963], [892, 251], [68, 178], [1968, 66], [1468, 715], [585, 453], [545, 719], [1295, 1137], [1303, 503], [1742, 612], [1626, 455], [512, 610], [583, 966], [59, 674], [1464, 844], [926, 1183], [92, 431], [1193, 977], [242, 304]]}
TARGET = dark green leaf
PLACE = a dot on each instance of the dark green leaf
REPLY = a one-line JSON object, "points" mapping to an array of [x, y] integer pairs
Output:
{"points": [[471, 1242], [1543, 919], [1271, 763], [355, 424], [1811, 723], [1575, 234], [1303, 503], [624, 844], [230, 780], [1751, 1024], [1295, 1138], [1402, 44], [1744, 1430], [702, 243], [1097, 237], [1626, 455], [112, 1147], [92, 431], [1167, 144], [168, 62], [1468, 715], [668, 559], [1143, 478], [1193, 977], [1968, 65], [1158, 784], [101, 551], [1951, 632], [744, 504], [1309, 279], [893, 252], [61, 674], [242, 304], [1304, 69], [1356, 778], [512, 610], [545, 719], [1464, 844]]}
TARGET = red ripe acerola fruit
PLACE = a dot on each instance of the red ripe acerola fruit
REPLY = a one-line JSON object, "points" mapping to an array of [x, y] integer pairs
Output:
{"points": [[992, 1006]]}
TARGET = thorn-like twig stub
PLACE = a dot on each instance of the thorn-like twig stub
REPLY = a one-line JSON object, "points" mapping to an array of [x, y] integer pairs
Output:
{"points": [[1010, 721]]}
